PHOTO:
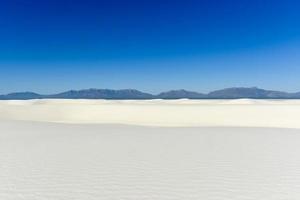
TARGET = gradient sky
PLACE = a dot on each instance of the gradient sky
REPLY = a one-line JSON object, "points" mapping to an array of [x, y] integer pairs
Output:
{"points": [[49, 46]]}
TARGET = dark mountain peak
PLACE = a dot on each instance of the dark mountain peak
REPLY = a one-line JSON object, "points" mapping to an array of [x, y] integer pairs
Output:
{"points": [[103, 94], [244, 92], [178, 94]]}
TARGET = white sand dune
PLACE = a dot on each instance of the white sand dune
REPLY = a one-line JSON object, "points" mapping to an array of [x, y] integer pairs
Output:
{"points": [[86, 156], [91, 162], [242, 113]]}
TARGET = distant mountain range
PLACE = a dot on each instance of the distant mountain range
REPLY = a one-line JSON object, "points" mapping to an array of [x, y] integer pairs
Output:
{"points": [[227, 93]]}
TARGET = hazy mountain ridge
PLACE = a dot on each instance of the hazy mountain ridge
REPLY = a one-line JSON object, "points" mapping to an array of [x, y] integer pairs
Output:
{"points": [[177, 94], [102, 94], [21, 96], [253, 92], [227, 93]]}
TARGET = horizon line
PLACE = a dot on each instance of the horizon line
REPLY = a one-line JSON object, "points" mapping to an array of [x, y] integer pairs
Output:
{"points": [[154, 94]]}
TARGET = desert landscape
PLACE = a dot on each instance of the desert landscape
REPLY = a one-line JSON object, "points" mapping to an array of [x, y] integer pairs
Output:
{"points": [[149, 100], [149, 149]]}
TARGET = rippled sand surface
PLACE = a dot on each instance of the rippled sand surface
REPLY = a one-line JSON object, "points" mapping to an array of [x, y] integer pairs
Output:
{"points": [[90, 162]]}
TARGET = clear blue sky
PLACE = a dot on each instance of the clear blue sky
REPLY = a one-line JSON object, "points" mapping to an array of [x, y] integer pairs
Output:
{"points": [[49, 46]]}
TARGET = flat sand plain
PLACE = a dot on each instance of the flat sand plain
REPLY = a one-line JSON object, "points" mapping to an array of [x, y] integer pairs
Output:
{"points": [[171, 113], [90, 155]]}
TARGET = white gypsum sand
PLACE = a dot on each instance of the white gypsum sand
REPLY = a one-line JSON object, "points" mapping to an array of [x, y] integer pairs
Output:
{"points": [[242, 113], [91, 162], [87, 156]]}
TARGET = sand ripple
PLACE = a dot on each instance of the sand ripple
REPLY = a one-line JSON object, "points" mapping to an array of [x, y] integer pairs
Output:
{"points": [[56, 161]]}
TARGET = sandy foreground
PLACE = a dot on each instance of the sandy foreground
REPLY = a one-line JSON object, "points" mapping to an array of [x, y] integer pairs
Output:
{"points": [[208, 149]]}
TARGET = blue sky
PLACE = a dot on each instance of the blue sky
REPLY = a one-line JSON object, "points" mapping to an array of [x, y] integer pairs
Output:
{"points": [[54, 45]]}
